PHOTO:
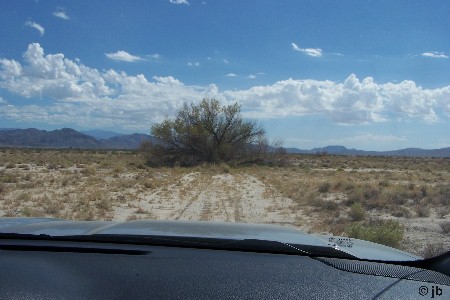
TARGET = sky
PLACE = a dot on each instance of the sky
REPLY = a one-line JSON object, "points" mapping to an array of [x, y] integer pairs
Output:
{"points": [[371, 75]]}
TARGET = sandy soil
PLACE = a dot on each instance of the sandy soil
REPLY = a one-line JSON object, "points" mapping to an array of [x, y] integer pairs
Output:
{"points": [[72, 193], [229, 198]]}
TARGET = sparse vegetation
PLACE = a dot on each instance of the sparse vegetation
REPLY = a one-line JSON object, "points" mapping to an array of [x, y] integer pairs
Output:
{"points": [[389, 233], [434, 249], [357, 212], [445, 227], [315, 193]]}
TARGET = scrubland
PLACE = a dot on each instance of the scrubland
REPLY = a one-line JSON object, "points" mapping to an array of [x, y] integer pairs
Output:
{"points": [[400, 202]]}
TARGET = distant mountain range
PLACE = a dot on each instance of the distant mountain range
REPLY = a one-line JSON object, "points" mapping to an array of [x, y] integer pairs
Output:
{"points": [[101, 134], [341, 150], [70, 138], [99, 139]]}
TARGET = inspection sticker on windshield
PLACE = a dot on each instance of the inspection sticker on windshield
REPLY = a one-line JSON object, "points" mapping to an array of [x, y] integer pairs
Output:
{"points": [[341, 242]]}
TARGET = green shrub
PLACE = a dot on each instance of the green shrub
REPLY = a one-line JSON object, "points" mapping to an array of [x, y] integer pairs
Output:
{"points": [[357, 212], [389, 233], [354, 196]]}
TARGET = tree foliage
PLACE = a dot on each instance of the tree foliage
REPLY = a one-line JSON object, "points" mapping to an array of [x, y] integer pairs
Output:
{"points": [[206, 132]]}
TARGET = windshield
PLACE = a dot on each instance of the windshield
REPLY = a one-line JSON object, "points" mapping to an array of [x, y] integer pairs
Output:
{"points": [[330, 117]]}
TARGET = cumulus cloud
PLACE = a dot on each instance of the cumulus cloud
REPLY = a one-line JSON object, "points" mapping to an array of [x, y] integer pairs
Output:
{"points": [[65, 91], [193, 64], [314, 52], [434, 54], [123, 56], [352, 102], [61, 14], [231, 75], [36, 26], [179, 2]]}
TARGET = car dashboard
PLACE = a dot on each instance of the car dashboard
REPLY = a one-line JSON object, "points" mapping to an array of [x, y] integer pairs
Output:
{"points": [[40, 269]]}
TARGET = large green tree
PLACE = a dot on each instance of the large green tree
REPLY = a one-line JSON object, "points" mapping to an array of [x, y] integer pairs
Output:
{"points": [[206, 132]]}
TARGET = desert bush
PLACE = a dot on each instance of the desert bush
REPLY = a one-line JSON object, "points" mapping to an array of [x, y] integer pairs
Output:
{"points": [[354, 195], [53, 208], [322, 204], [357, 212], [440, 195], [9, 178], [422, 211], [445, 227], [389, 233], [26, 185], [324, 187], [149, 184], [207, 132], [442, 211], [132, 218], [432, 250], [10, 165], [225, 168], [338, 185], [384, 183], [23, 197], [103, 204], [423, 191], [30, 212], [370, 193], [401, 211], [89, 170]]}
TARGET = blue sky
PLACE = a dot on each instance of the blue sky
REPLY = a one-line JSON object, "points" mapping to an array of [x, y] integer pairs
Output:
{"points": [[372, 75]]}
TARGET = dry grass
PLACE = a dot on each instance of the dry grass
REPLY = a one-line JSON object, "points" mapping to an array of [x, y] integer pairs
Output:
{"points": [[323, 194]]}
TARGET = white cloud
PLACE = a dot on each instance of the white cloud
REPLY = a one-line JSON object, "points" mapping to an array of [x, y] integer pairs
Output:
{"points": [[193, 64], [231, 75], [434, 54], [314, 52], [154, 56], [64, 91], [123, 56], [351, 102], [36, 26], [179, 2], [251, 76], [3, 101], [61, 14]]}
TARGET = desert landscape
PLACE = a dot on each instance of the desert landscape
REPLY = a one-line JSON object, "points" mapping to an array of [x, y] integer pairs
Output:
{"points": [[397, 201]]}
